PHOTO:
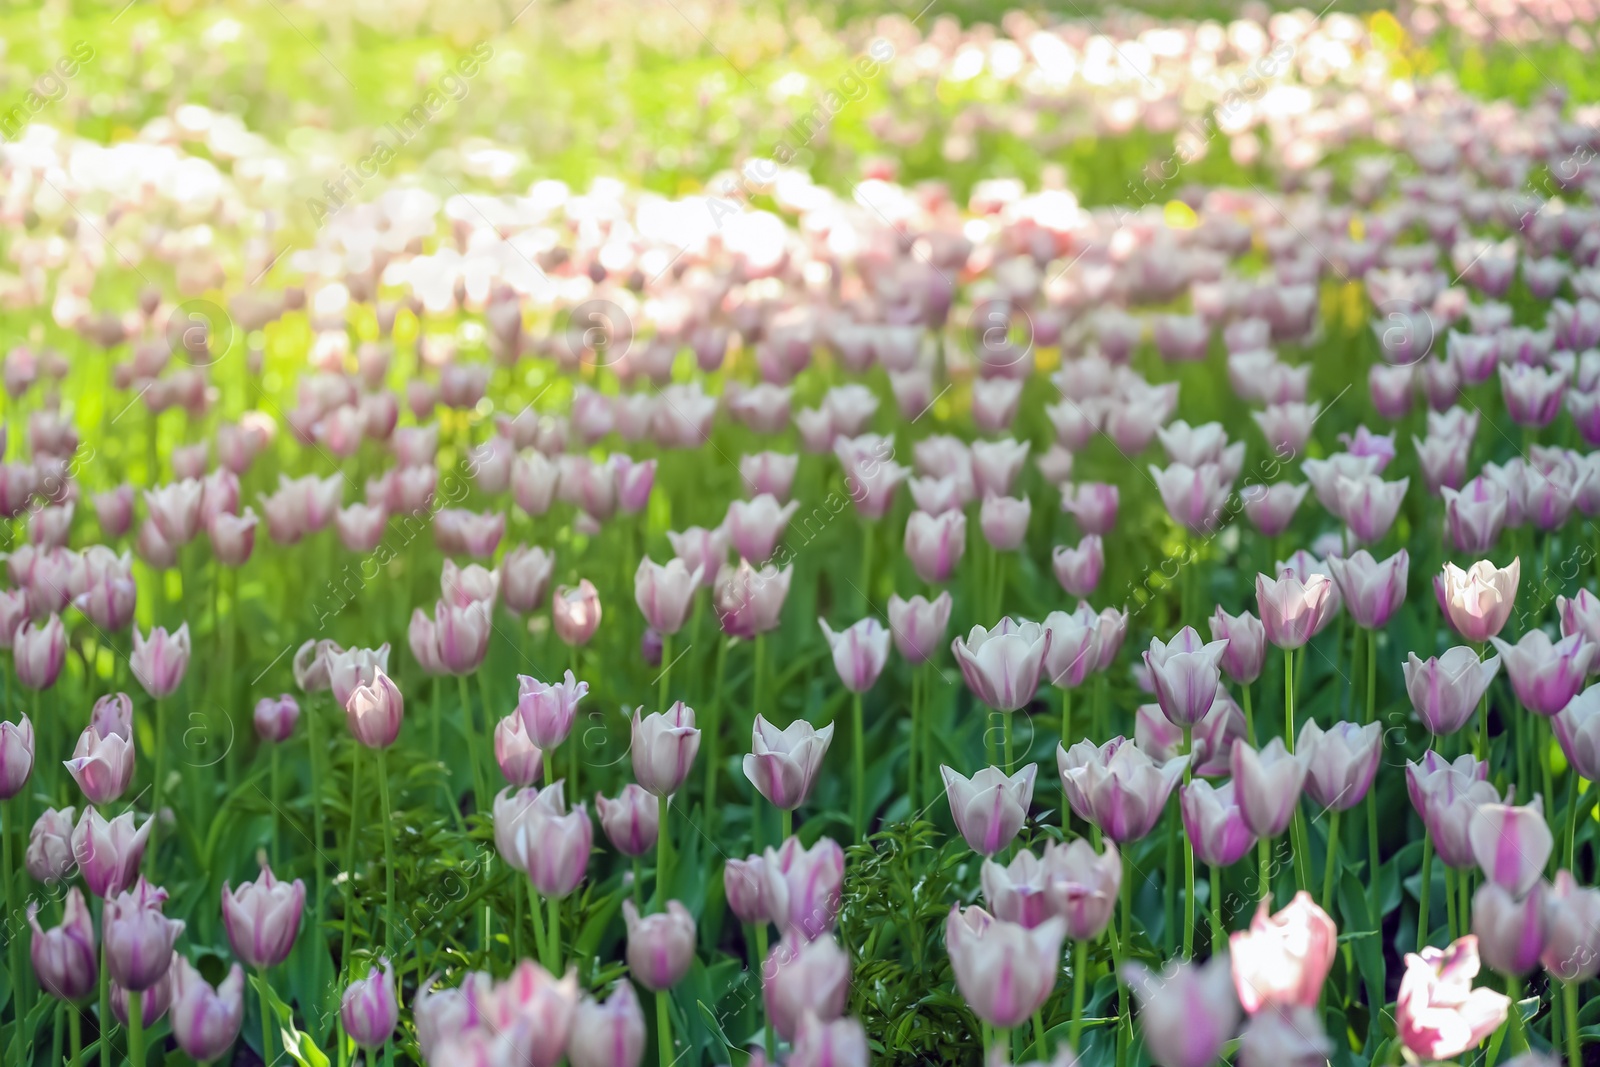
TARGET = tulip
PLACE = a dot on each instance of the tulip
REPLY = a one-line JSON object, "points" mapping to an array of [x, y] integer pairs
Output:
{"points": [[549, 710], [755, 526], [803, 887], [1285, 1037], [1511, 844], [1215, 823], [1293, 610], [49, 858], [205, 1020], [1194, 495], [374, 712], [525, 578], [1443, 460], [38, 652], [1368, 505], [153, 1002], [464, 586], [1003, 970], [533, 482], [520, 760], [749, 601], [1074, 648], [1438, 1014], [664, 747], [871, 475], [1372, 591], [665, 593], [631, 821], [783, 764], [65, 958], [701, 549], [1210, 744], [1188, 1012], [804, 976], [744, 884], [996, 464], [939, 497], [1117, 786], [989, 808], [275, 717], [311, 670], [1580, 615], [138, 938], [1577, 728], [1245, 650], [840, 1043], [361, 526], [368, 1009], [1546, 675], [1477, 602], [1572, 942], [554, 845], [1071, 881], [109, 593], [102, 765], [233, 537], [1510, 932], [16, 756], [1186, 674], [918, 625], [770, 473], [175, 510], [1267, 784], [1447, 796], [1002, 666], [1340, 763], [1532, 394], [609, 1033], [1078, 569], [262, 918], [935, 543], [660, 946], [1271, 508], [859, 652], [1284, 958], [1004, 521], [1093, 504], [575, 613], [160, 660], [114, 510], [512, 811], [462, 635], [1445, 690], [108, 853], [423, 637]]}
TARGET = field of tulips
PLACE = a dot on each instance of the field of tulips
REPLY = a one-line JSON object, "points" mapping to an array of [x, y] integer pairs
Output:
{"points": [[720, 533]]}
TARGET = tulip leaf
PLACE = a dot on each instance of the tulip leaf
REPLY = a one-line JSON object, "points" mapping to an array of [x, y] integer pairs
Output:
{"points": [[1365, 941], [297, 1045]]}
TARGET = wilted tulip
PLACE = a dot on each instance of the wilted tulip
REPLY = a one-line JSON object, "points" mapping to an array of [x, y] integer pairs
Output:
{"points": [[1438, 1014], [1188, 1012], [989, 808], [632, 821], [660, 946], [368, 1009], [783, 764], [1004, 971], [65, 959], [262, 918]]}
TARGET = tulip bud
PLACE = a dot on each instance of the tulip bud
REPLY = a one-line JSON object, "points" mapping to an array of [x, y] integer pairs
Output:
{"points": [[37, 652], [16, 756], [102, 765], [1186, 1013], [108, 853], [374, 712], [664, 747], [519, 758], [369, 1010], [632, 821], [840, 1043], [153, 1002], [608, 1033], [575, 613], [784, 763], [660, 946], [1186, 674], [1511, 844], [1293, 611], [1572, 943], [859, 652], [935, 543], [1245, 653], [918, 625], [989, 808], [549, 710], [802, 976], [1004, 971], [205, 1020], [1477, 601], [552, 844], [160, 660], [665, 593], [275, 717], [1002, 666], [744, 884], [525, 578], [1267, 785], [1340, 763], [49, 857], [1510, 932], [1079, 569], [138, 938], [1215, 824], [64, 959], [804, 888], [262, 918]]}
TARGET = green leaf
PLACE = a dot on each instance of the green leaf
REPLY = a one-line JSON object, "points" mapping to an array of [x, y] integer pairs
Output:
{"points": [[1365, 941], [299, 1046]]}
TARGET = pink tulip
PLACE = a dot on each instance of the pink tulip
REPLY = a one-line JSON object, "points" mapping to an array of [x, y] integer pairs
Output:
{"points": [[1186, 1013], [175, 510], [1572, 936], [609, 1033], [664, 747], [756, 526], [1004, 521], [783, 764], [549, 710], [368, 1009], [38, 652], [64, 959], [233, 537], [1577, 728], [1443, 460], [349, 669], [803, 887], [153, 1003], [1002, 666], [1210, 743], [1445, 690], [660, 946], [102, 764], [1285, 1037], [374, 712], [519, 759], [1510, 931], [1532, 394], [109, 593], [919, 625], [840, 1043], [525, 578], [770, 473], [551, 844], [114, 510], [701, 549], [136, 938], [275, 717], [1340, 762], [1093, 504], [935, 543], [632, 821], [1284, 958], [871, 474], [1267, 784], [1438, 1014], [1245, 651], [1271, 508], [989, 808], [1078, 569], [1511, 844], [575, 613], [801, 976], [859, 652], [160, 660], [262, 918], [1004, 971], [1368, 505], [1447, 796], [1293, 611], [745, 885], [634, 482], [996, 464], [361, 526], [533, 483], [665, 593], [49, 857], [1117, 786], [1185, 674], [1546, 675], [1476, 514], [16, 756], [1215, 824], [205, 1019], [1372, 591], [1477, 602], [1071, 882]]}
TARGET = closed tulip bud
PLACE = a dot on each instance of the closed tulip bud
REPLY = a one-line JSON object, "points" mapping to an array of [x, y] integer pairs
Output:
{"points": [[1546, 674], [16, 756], [783, 764], [1372, 591], [275, 717], [660, 946], [1477, 601], [996, 464], [1572, 936], [361, 526], [1284, 958], [374, 712], [519, 758], [664, 747], [1002, 666], [49, 857], [575, 613], [233, 537], [549, 710], [744, 884], [39, 651], [1447, 796], [1445, 690], [369, 1010], [989, 808], [138, 938], [1285, 1037], [859, 652], [423, 636], [840, 1043], [1577, 728], [632, 821], [175, 510], [701, 549], [553, 844], [1003, 970], [1271, 508], [1215, 823], [1340, 762], [1071, 882], [770, 473], [609, 1033], [462, 635], [804, 976], [1246, 650], [665, 593], [102, 765], [205, 1020], [262, 918], [1185, 674], [108, 853], [755, 526], [1511, 844], [462, 587], [748, 601], [114, 510], [160, 660], [935, 543], [1438, 1015], [1293, 611], [804, 887], [525, 578], [1078, 569], [1510, 931], [65, 958], [1267, 784], [153, 1002], [1004, 521], [918, 625], [1118, 787], [1186, 1013], [511, 811]]}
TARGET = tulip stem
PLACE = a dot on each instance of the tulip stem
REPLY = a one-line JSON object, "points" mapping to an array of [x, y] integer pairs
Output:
{"points": [[277, 806], [388, 849], [105, 1003], [1125, 1020], [1039, 1051], [1288, 699], [1249, 718], [713, 732], [1264, 858], [1569, 1011], [663, 851], [1010, 760], [1424, 891], [1332, 863], [666, 669], [766, 1022], [663, 1029], [350, 863], [1518, 1040], [911, 746], [1572, 814], [1483, 716], [266, 1015], [8, 871], [1450, 901], [1066, 717], [535, 912], [786, 822], [859, 762], [1080, 979], [135, 1028], [553, 905], [1188, 858], [156, 793], [74, 1034]]}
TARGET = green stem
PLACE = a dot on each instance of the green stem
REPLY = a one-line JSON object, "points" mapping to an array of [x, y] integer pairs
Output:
{"points": [[1425, 892], [713, 734], [786, 823], [1518, 1039], [74, 1034], [277, 803], [1188, 861], [1450, 877], [1039, 1051], [8, 871], [1572, 814], [1125, 1006], [638, 883], [553, 906], [135, 1028], [266, 1016], [1011, 764], [768, 1039], [1569, 1010], [1066, 717], [388, 849], [540, 938], [1080, 976], [1483, 716], [158, 791], [663, 852], [1249, 718], [1288, 700], [350, 863], [106, 1024], [1332, 863], [1264, 859], [666, 670], [663, 1029], [859, 765], [911, 745], [1219, 928]]}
